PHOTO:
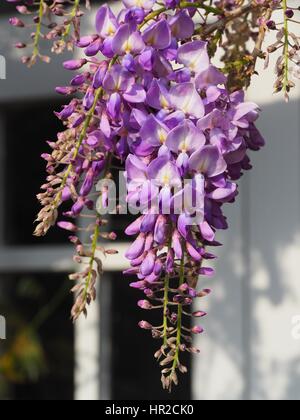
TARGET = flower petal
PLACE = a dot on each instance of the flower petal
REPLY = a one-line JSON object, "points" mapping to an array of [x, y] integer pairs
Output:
{"points": [[185, 138], [164, 172], [194, 56], [106, 22], [145, 4], [135, 95], [184, 97], [154, 132], [158, 35], [182, 25], [126, 41], [208, 161]]}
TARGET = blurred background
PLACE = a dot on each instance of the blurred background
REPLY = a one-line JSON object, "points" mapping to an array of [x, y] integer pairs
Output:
{"points": [[251, 349]]}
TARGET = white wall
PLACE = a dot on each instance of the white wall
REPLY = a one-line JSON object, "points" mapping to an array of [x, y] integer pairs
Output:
{"points": [[248, 351]]}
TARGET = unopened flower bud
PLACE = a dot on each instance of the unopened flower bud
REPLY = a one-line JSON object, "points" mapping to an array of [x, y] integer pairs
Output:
{"points": [[197, 330], [145, 325], [20, 45], [16, 22], [199, 314], [204, 292], [144, 304], [67, 226], [289, 13], [74, 64], [271, 25]]}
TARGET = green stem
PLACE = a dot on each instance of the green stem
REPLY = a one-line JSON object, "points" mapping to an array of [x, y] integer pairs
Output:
{"points": [[152, 16], [286, 47], [179, 320], [165, 313], [98, 94], [92, 260], [200, 5], [183, 5], [73, 14], [78, 144], [38, 30]]}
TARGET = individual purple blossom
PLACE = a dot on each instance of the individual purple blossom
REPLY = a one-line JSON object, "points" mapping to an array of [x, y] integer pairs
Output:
{"points": [[208, 161], [158, 96], [127, 41], [106, 22], [158, 35], [184, 97], [144, 4], [121, 81], [182, 25], [153, 135], [185, 138], [164, 172], [194, 56]]}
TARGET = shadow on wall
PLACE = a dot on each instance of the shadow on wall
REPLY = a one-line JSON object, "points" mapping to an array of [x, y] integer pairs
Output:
{"points": [[249, 351]]}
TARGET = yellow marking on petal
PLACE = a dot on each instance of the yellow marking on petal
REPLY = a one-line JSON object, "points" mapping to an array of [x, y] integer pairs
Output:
{"points": [[162, 136], [165, 176], [203, 166], [111, 29], [118, 84], [183, 146], [164, 102], [194, 63], [127, 46], [166, 179]]}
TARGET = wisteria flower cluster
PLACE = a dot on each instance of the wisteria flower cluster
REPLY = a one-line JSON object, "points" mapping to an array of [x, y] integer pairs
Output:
{"points": [[148, 99]]}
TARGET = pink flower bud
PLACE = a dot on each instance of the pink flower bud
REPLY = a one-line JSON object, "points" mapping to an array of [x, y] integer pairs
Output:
{"points": [[204, 292], [144, 304], [199, 314], [145, 325], [23, 10], [67, 226], [184, 287], [16, 22], [197, 330]]}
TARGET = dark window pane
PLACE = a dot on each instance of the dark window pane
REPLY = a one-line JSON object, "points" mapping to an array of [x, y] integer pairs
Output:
{"points": [[135, 372], [27, 127], [6, 7], [37, 359]]}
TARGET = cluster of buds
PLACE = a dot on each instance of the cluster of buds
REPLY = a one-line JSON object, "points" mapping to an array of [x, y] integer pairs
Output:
{"points": [[288, 43], [55, 21], [176, 302]]}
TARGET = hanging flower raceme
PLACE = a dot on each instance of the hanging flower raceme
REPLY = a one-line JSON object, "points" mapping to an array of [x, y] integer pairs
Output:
{"points": [[192, 146], [152, 100], [55, 21]]}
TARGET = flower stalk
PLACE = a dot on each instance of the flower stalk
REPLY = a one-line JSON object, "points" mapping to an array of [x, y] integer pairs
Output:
{"points": [[75, 9], [286, 83], [82, 136], [179, 323], [38, 34], [166, 309]]}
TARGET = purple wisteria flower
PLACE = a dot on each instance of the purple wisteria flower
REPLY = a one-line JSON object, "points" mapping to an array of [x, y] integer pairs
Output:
{"points": [[143, 4], [157, 105]]}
